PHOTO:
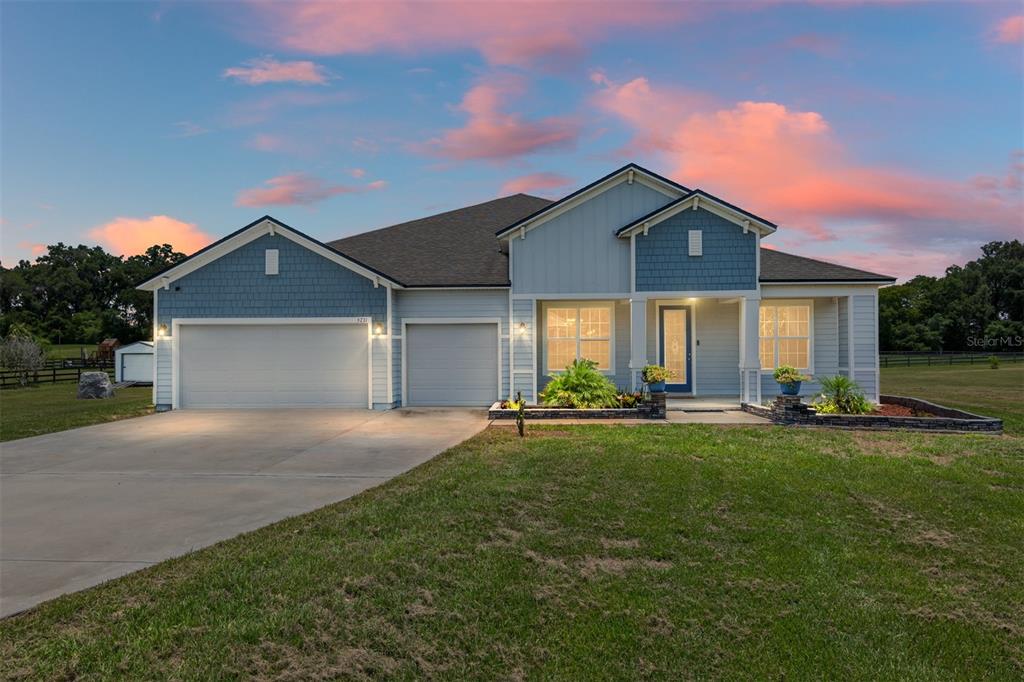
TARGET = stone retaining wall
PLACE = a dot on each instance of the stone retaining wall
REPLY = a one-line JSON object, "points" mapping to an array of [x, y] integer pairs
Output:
{"points": [[653, 408], [791, 411]]}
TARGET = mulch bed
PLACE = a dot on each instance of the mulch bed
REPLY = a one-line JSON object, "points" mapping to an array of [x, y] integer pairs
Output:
{"points": [[890, 410]]}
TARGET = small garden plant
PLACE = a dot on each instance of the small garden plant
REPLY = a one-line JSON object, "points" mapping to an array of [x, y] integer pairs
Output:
{"points": [[580, 386], [993, 362], [841, 395], [653, 374], [784, 374]]}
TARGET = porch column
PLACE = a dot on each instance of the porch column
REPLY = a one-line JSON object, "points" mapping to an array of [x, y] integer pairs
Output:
{"points": [[750, 360], [637, 340]]}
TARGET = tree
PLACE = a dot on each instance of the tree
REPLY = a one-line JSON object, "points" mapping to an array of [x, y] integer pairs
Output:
{"points": [[22, 353]]}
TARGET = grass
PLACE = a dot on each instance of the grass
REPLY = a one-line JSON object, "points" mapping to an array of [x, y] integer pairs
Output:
{"points": [[62, 351], [978, 389], [47, 408], [594, 552]]}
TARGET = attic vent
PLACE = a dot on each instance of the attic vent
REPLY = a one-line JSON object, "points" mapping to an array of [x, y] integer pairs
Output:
{"points": [[696, 243], [271, 255]]}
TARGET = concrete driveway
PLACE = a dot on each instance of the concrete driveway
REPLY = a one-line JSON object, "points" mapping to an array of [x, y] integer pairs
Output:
{"points": [[83, 506]]}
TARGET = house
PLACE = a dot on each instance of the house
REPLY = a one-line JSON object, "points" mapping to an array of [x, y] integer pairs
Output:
{"points": [[475, 304]]}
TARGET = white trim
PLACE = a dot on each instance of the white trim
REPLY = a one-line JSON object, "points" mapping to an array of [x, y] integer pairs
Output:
{"points": [[429, 288], [536, 359], [156, 350], [610, 305], [708, 204], [851, 354], [249, 235], [575, 296], [878, 351], [223, 321], [511, 339], [622, 176], [815, 290], [406, 321], [775, 302], [632, 264], [389, 353], [638, 295]]}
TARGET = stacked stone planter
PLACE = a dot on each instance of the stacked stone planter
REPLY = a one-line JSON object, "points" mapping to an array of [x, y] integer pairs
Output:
{"points": [[790, 410], [653, 408]]}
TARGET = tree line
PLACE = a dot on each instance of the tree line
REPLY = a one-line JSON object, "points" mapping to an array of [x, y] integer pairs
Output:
{"points": [[977, 307], [82, 294]]}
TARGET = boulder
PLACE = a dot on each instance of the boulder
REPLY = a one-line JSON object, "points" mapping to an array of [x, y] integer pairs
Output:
{"points": [[95, 385]]}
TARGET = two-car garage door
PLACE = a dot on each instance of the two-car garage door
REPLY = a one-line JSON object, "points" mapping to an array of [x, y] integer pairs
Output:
{"points": [[273, 365]]}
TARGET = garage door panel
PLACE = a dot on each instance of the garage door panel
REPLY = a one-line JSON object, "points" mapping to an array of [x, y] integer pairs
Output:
{"points": [[291, 365], [452, 364]]}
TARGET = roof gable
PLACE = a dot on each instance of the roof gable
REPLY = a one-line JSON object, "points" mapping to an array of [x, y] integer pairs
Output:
{"points": [[695, 199], [251, 232], [629, 173]]}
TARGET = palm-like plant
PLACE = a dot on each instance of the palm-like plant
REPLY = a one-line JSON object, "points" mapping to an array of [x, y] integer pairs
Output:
{"points": [[580, 386], [841, 395]]}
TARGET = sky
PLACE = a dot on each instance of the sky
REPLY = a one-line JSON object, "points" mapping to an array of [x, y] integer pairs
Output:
{"points": [[885, 135]]}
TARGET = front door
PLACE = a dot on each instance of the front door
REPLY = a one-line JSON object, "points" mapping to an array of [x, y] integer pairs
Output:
{"points": [[675, 351]]}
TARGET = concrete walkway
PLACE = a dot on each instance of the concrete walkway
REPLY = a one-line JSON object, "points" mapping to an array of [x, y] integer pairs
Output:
{"points": [[80, 507]]}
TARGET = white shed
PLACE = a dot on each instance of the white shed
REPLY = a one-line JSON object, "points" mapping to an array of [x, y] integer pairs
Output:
{"points": [[134, 362]]}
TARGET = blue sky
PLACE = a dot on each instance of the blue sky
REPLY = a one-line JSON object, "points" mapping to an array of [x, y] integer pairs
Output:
{"points": [[878, 134]]}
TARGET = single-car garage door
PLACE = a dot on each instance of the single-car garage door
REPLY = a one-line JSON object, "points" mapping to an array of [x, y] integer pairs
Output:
{"points": [[273, 365], [451, 364]]}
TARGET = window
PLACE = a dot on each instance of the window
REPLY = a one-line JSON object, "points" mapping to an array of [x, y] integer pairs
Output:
{"points": [[579, 332], [785, 331]]}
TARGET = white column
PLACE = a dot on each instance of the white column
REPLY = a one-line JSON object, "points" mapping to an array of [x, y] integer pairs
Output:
{"points": [[750, 361], [637, 339]]}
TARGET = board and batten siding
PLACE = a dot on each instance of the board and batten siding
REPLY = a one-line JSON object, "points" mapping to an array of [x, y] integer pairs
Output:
{"points": [[236, 285], [865, 344], [451, 303], [522, 346], [577, 251]]}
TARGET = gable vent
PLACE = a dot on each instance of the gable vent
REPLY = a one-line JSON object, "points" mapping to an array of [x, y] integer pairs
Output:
{"points": [[696, 243], [271, 257]]}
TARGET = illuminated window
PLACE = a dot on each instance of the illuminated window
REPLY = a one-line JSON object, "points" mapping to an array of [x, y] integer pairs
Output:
{"points": [[579, 332], [785, 335]]}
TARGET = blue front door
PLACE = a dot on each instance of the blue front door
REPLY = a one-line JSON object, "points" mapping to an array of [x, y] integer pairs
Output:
{"points": [[675, 323]]}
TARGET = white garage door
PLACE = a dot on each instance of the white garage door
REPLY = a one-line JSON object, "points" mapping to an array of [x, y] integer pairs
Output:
{"points": [[451, 364], [136, 367], [281, 365]]}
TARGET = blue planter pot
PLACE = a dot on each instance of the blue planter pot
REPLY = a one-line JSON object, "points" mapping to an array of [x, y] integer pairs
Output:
{"points": [[791, 389], [657, 387]]}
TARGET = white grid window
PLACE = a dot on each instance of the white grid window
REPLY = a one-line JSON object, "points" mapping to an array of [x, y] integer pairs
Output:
{"points": [[579, 332], [785, 335]]}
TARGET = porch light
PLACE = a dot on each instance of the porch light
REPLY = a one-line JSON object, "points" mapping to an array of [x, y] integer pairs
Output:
{"points": [[161, 331], [522, 329], [378, 329]]}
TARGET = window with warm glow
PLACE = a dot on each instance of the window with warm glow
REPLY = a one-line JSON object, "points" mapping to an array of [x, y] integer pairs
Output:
{"points": [[579, 332], [785, 335]]}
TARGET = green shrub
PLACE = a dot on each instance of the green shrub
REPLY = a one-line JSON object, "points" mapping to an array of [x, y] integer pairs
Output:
{"points": [[652, 374], [993, 362], [580, 386], [784, 374], [841, 395], [629, 398]]}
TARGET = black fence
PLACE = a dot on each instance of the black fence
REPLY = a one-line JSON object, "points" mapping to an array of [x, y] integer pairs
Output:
{"points": [[931, 358], [55, 373]]}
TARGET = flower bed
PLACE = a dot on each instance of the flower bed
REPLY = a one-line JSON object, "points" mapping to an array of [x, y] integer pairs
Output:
{"points": [[542, 412], [923, 416]]}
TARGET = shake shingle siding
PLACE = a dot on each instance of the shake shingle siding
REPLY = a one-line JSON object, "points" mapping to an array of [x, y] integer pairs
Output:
{"points": [[728, 262]]}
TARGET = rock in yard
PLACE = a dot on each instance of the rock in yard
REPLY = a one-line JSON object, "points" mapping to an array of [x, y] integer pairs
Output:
{"points": [[95, 385]]}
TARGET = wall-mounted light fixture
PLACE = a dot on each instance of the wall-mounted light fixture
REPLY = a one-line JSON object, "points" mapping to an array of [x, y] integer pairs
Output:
{"points": [[522, 329], [161, 331], [378, 329]]}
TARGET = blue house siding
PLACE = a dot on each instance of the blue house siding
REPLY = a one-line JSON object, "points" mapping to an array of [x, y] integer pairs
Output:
{"points": [[577, 251], [235, 285], [663, 262], [308, 285]]}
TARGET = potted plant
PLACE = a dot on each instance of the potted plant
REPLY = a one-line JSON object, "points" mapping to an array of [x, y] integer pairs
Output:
{"points": [[655, 376], [789, 379]]}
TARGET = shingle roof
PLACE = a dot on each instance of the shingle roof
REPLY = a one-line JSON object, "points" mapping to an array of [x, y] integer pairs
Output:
{"points": [[786, 267], [459, 249], [452, 249]]}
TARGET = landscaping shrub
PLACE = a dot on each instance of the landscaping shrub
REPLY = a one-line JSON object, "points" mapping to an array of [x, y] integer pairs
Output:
{"points": [[580, 386], [993, 362], [841, 395]]}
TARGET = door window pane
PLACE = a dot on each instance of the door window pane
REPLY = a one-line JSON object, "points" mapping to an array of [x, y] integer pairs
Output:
{"points": [[674, 343]]}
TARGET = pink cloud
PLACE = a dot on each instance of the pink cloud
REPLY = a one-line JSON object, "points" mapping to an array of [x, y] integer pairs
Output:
{"points": [[1010, 30], [34, 249], [507, 33], [298, 188], [269, 70], [130, 236], [790, 167], [491, 133], [534, 182], [356, 172], [265, 142]]}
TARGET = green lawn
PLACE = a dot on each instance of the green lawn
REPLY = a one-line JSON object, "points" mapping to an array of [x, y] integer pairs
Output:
{"points": [[61, 351], [976, 388], [53, 407], [594, 552]]}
